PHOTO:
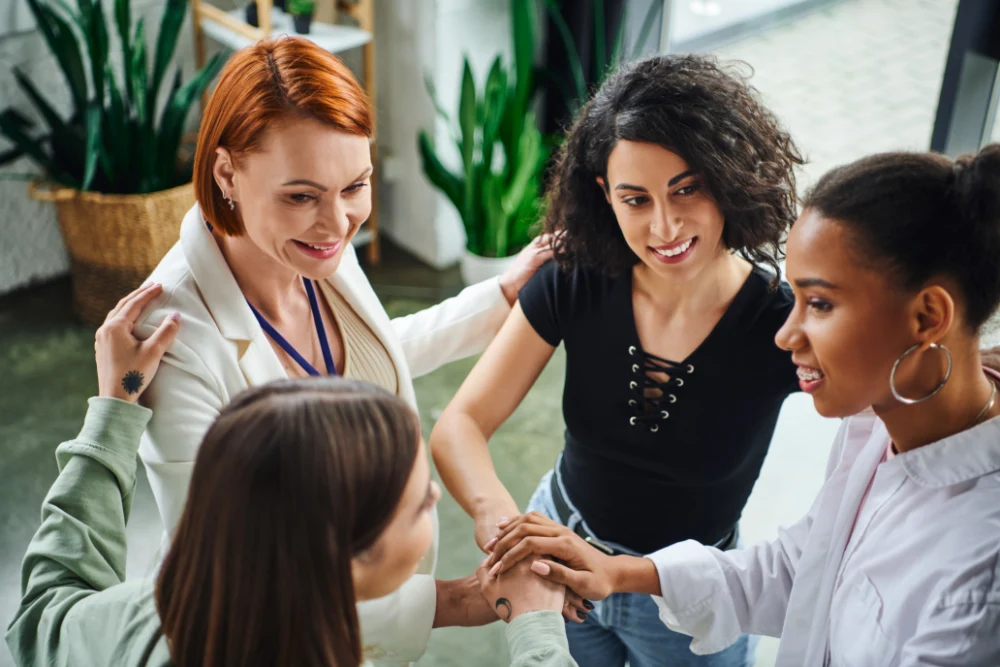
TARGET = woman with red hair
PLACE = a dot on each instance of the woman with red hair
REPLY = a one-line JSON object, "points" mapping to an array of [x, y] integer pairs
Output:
{"points": [[269, 287]]}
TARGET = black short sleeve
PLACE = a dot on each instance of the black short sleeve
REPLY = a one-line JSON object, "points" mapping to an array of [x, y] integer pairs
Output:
{"points": [[540, 300]]}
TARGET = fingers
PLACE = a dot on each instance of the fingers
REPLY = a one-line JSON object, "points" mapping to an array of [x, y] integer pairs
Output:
{"points": [[554, 547], [164, 335], [522, 532], [572, 614], [578, 604], [137, 301], [558, 574]]}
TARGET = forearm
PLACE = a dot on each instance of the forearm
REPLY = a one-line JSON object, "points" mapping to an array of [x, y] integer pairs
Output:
{"points": [[631, 574], [461, 454], [455, 602]]}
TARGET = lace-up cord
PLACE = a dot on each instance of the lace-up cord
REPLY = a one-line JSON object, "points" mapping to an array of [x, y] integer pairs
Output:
{"points": [[650, 398]]}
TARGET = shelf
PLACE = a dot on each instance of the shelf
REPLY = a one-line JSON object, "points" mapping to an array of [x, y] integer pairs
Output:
{"points": [[332, 38]]}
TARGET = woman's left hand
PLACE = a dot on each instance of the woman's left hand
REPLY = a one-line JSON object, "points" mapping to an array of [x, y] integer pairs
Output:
{"points": [[566, 558], [125, 364], [528, 260]]}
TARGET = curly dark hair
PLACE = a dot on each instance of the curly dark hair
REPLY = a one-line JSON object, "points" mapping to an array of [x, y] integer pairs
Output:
{"points": [[710, 117]]}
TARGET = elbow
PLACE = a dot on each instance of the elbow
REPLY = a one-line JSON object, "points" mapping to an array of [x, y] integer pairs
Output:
{"points": [[440, 441]]}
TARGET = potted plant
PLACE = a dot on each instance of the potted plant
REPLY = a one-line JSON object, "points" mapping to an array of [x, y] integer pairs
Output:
{"points": [[113, 168], [302, 14], [497, 189]]}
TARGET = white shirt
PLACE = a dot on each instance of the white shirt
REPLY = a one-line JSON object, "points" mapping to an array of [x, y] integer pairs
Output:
{"points": [[220, 350], [918, 582]]}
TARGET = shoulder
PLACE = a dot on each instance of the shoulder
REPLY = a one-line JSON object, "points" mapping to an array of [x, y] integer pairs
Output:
{"points": [[569, 287]]}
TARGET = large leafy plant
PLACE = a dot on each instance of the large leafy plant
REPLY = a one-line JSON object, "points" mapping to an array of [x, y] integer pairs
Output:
{"points": [[112, 141], [497, 189]]}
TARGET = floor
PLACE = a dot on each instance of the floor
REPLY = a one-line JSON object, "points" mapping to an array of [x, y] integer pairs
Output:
{"points": [[860, 76]]}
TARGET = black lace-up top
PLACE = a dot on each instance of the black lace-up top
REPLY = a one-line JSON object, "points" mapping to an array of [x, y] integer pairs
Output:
{"points": [[657, 450]]}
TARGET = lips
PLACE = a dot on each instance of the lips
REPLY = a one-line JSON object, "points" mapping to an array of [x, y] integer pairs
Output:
{"points": [[674, 253], [317, 250]]}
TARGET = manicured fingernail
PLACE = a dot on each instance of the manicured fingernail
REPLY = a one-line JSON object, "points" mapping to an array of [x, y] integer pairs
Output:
{"points": [[489, 545], [589, 605], [580, 615], [495, 569], [541, 568], [176, 317]]}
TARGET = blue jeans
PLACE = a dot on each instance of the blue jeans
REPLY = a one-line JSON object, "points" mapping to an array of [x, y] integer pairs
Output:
{"points": [[627, 627]]}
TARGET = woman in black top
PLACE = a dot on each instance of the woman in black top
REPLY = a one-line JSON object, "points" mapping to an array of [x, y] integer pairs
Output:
{"points": [[670, 198]]}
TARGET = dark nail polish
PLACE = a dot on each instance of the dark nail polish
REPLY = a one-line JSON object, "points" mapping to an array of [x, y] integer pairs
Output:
{"points": [[589, 605], [580, 615]]}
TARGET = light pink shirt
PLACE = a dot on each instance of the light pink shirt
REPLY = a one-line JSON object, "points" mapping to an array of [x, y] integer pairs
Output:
{"points": [[911, 578]]}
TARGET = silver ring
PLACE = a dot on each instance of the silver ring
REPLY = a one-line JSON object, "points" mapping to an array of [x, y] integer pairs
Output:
{"points": [[895, 367]]}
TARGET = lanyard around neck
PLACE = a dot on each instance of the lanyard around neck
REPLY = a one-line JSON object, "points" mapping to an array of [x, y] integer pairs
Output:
{"points": [[331, 367]]}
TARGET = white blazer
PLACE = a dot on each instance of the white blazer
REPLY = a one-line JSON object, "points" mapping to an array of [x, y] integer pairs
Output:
{"points": [[221, 350], [896, 564]]}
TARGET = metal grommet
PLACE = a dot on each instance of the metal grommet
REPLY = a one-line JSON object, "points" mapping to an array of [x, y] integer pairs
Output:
{"points": [[654, 428], [631, 421], [632, 403], [690, 368], [631, 350], [680, 382], [632, 384], [673, 399], [635, 368], [666, 415]]}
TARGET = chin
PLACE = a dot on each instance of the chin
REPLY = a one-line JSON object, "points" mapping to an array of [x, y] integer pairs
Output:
{"points": [[835, 409]]}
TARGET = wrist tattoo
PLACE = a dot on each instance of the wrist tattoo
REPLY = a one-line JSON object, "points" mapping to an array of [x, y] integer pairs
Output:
{"points": [[132, 382], [504, 609]]}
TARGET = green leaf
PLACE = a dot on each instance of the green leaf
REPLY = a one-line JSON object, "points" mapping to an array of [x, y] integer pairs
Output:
{"points": [[467, 117], [123, 21], [66, 141], [13, 128], [572, 54], [175, 114], [93, 144], [97, 43], [600, 39], [62, 42], [523, 35], [166, 44], [451, 185]]}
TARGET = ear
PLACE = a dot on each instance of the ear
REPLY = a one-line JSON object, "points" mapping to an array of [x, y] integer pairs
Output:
{"points": [[603, 184], [933, 314], [362, 574], [224, 172]]}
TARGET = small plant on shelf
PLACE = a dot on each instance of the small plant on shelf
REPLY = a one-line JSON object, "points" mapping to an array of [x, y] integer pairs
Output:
{"points": [[302, 14]]}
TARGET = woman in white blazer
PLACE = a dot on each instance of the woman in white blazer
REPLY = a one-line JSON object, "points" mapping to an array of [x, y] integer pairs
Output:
{"points": [[268, 286], [894, 267]]}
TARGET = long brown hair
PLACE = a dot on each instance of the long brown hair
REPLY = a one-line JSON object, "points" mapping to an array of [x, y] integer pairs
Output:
{"points": [[292, 480]]}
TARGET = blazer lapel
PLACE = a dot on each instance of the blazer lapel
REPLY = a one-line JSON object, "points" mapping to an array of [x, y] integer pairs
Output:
{"points": [[225, 301]]}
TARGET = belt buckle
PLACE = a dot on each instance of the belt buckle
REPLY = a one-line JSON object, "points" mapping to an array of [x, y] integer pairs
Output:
{"points": [[599, 545]]}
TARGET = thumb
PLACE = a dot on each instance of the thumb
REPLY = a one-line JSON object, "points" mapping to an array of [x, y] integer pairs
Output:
{"points": [[556, 573], [164, 334]]}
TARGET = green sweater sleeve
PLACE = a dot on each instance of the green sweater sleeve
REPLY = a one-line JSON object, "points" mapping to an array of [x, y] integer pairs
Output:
{"points": [[80, 548], [538, 639]]}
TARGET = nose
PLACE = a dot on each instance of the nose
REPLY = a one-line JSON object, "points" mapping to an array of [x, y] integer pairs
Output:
{"points": [[667, 222], [336, 218], [790, 336]]}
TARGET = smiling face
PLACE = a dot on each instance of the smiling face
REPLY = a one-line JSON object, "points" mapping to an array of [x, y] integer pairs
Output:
{"points": [[395, 555], [666, 213], [303, 195], [850, 322]]}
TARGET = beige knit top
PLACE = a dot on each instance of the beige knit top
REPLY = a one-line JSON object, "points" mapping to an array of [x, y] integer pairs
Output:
{"points": [[365, 357]]}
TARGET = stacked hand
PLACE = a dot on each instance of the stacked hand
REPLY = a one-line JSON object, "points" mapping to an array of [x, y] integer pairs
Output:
{"points": [[125, 364], [520, 591]]}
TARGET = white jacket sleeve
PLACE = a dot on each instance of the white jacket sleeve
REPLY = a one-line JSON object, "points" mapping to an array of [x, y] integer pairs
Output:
{"points": [[454, 329], [396, 628], [715, 596]]}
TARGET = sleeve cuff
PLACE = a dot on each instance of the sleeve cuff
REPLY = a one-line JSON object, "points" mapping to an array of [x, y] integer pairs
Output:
{"points": [[536, 631], [115, 425], [695, 596]]}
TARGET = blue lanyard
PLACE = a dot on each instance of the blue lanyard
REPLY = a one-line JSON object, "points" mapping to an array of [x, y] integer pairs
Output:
{"points": [[331, 367]]}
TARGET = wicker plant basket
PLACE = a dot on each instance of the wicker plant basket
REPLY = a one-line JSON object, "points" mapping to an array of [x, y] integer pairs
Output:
{"points": [[114, 241]]}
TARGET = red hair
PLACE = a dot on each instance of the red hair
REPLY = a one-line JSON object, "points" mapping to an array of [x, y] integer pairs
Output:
{"points": [[272, 80]]}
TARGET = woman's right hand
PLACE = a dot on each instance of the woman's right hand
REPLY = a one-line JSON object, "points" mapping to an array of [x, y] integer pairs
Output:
{"points": [[520, 591], [125, 364], [487, 529]]}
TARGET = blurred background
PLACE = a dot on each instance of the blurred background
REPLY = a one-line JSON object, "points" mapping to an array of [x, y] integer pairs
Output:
{"points": [[96, 134]]}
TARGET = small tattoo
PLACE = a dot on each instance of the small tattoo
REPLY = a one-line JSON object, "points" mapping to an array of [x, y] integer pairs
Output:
{"points": [[132, 382], [507, 610]]}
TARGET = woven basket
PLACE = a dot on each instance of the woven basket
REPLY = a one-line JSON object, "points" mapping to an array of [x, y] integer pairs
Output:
{"points": [[114, 241]]}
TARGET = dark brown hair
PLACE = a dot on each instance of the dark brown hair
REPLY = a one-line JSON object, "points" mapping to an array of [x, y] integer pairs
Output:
{"points": [[292, 480], [710, 117], [922, 216]]}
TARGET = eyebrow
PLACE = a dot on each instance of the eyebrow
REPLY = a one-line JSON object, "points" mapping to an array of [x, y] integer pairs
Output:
{"points": [[814, 282], [672, 182], [303, 181]]}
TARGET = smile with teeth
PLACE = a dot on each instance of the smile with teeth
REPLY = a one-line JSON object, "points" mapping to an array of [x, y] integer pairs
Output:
{"points": [[677, 250], [318, 247], [810, 374]]}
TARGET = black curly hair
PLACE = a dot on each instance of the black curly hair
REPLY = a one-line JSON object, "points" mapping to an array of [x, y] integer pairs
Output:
{"points": [[710, 117]]}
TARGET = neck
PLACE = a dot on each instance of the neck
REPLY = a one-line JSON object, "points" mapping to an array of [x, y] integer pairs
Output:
{"points": [[952, 411], [268, 285], [706, 289]]}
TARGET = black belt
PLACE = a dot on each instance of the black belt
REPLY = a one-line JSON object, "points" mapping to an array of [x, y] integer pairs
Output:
{"points": [[564, 512]]}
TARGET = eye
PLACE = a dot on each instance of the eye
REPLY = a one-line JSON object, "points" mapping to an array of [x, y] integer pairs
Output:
{"points": [[687, 190], [635, 202], [819, 305], [302, 198], [357, 187]]}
